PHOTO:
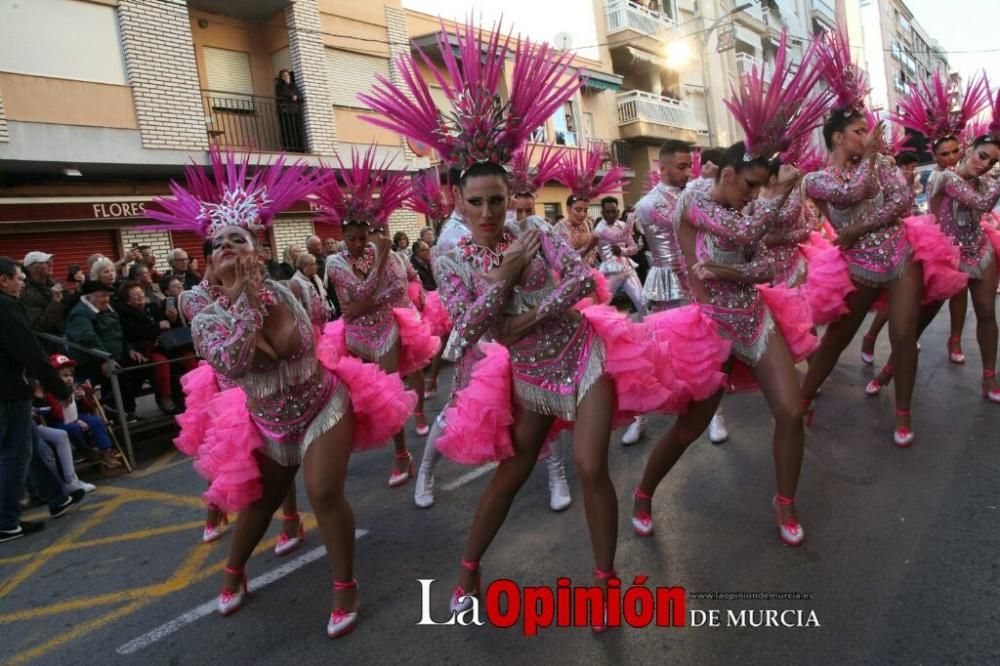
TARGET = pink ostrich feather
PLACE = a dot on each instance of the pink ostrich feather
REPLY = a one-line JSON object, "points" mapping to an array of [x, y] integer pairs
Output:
{"points": [[994, 104], [973, 130], [653, 177], [370, 192], [807, 156], [774, 115], [427, 197], [848, 83], [226, 193], [929, 107], [525, 177], [479, 127], [578, 171], [696, 162]]}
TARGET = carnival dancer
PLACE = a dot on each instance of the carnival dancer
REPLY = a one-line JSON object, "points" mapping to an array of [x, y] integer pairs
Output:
{"points": [[863, 197], [200, 387], [928, 108], [518, 291], [436, 203], [528, 174], [379, 323], [663, 289], [765, 325], [289, 408]]}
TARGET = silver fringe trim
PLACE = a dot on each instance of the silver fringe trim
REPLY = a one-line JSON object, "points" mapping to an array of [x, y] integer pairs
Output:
{"points": [[751, 354], [291, 454], [265, 385], [662, 285], [798, 275], [879, 279], [975, 271], [373, 354], [545, 402]]}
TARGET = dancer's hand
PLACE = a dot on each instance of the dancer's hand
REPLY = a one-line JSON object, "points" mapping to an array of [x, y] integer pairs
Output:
{"points": [[874, 139], [703, 272], [248, 280], [523, 250]]}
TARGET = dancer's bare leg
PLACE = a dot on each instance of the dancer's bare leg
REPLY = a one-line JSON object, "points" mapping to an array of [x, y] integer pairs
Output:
{"points": [[528, 434], [591, 436], [325, 470], [253, 521]]}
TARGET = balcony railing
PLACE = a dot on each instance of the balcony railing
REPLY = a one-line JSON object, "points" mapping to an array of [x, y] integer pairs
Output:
{"points": [[624, 15], [637, 105], [252, 122]]}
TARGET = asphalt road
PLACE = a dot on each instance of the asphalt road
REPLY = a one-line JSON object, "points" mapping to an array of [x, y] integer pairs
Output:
{"points": [[900, 562]]}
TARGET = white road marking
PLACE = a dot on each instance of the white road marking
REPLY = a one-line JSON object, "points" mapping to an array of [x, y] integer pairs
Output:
{"points": [[468, 477], [208, 608]]}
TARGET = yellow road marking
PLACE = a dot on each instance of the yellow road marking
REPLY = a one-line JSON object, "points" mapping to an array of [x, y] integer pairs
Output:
{"points": [[78, 631], [41, 559], [166, 461], [130, 536], [189, 573]]}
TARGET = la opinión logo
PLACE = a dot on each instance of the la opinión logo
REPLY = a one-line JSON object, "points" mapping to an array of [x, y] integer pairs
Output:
{"points": [[539, 607]]}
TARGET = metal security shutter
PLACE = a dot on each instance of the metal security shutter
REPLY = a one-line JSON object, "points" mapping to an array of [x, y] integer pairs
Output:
{"points": [[352, 73], [68, 248], [227, 71]]}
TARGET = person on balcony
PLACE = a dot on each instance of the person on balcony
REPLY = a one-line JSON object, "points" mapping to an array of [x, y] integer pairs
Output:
{"points": [[289, 112]]}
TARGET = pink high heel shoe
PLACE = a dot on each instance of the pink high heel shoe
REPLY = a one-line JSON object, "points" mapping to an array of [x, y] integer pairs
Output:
{"points": [[460, 599], [399, 478], [875, 386], [790, 532], [603, 575], [994, 395], [341, 621], [642, 522], [230, 602], [955, 354], [287, 544], [866, 357], [903, 436], [214, 532]]}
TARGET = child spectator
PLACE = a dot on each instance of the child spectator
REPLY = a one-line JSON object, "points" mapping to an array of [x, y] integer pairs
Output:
{"points": [[76, 416], [58, 443]]}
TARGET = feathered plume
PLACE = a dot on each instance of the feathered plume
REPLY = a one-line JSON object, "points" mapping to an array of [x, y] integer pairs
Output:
{"points": [[578, 170], [427, 197], [226, 194], [773, 115], [370, 193], [696, 162], [994, 103], [525, 177], [973, 130], [929, 107], [806, 156], [845, 78], [479, 127], [653, 176]]}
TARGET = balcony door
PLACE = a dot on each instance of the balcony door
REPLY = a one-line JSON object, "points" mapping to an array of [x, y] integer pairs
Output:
{"points": [[565, 124]]}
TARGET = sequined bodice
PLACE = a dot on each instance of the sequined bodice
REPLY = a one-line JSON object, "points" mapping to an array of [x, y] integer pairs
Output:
{"points": [[959, 205]]}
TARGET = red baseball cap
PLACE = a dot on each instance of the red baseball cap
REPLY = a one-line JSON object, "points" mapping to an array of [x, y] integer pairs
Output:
{"points": [[59, 361]]}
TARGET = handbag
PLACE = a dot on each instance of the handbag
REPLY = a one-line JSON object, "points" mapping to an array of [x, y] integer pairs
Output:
{"points": [[176, 340]]}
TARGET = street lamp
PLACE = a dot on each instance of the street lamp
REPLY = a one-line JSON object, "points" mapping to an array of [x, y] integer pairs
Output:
{"points": [[704, 62]]}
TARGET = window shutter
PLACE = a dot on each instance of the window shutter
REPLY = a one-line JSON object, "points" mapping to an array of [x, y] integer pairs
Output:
{"points": [[228, 71], [352, 73]]}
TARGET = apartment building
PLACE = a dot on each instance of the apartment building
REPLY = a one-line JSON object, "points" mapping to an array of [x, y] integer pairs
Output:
{"points": [[102, 102], [898, 49]]}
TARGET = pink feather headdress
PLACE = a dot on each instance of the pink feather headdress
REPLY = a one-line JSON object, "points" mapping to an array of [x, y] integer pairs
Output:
{"points": [[226, 194], [774, 115], [427, 197], [994, 104], [973, 130], [929, 107], [841, 73], [479, 127], [528, 178], [807, 156], [578, 170], [370, 192], [696, 162], [653, 176]]}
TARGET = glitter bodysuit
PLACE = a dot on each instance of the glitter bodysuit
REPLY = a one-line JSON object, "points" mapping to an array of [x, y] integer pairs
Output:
{"points": [[666, 280], [726, 236], [372, 334], [618, 268], [292, 400], [578, 236], [875, 196], [959, 204], [557, 361]]}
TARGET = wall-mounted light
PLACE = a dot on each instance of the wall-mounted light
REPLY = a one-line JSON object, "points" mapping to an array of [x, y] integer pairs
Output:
{"points": [[75, 173], [202, 23]]}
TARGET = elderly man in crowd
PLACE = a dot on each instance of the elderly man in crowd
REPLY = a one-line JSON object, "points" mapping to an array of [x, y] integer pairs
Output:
{"points": [[330, 246], [42, 298], [180, 266], [22, 360]]}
